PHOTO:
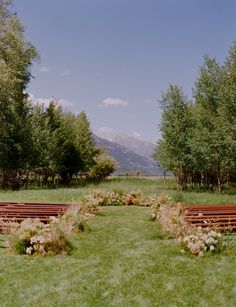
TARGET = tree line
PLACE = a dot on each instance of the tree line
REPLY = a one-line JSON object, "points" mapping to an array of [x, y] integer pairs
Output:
{"points": [[199, 136], [38, 144]]}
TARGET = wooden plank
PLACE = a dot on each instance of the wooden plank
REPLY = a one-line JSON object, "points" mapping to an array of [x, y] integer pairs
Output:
{"points": [[222, 217], [18, 211]]}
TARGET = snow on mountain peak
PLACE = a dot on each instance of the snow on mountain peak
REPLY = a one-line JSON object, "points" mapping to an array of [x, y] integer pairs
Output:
{"points": [[135, 141]]}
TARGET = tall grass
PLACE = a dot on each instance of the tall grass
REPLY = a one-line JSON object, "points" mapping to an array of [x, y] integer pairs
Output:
{"points": [[146, 185]]}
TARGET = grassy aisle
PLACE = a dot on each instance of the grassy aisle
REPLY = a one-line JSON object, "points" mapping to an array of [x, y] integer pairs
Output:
{"points": [[123, 261]]}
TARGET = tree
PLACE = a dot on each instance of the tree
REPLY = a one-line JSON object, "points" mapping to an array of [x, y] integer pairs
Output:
{"points": [[55, 143], [103, 168], [212, 130], [65, 155], [199, 140], [84, 141], [44, 143], [42, 139], [16, 57], [228, 92], [173, 150]]}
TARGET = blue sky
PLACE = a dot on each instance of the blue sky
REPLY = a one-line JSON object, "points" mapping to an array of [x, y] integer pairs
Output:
{"points": [[113, 58]]}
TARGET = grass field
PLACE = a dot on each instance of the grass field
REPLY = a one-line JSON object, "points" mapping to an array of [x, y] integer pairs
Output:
{"points": [[123, 260], [148, 186]]}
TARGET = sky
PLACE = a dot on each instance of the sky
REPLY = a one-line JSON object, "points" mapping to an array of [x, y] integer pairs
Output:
{"points": [[114, 58]]}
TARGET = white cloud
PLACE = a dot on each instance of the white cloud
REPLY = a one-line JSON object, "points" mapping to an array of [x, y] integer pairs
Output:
{"points": [[65, 102], [111, 101], [44, 69], [45, 101], [35, 100], [65, 73]]}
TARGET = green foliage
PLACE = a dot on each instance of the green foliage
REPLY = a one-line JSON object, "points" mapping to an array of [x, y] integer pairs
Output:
{"points": [[80, 226], [38, 145], [103, 167], [118, 191], [84, 141], [199, 138], [65, 157], [20, 245], [75, 219], [61, 150], [178, 197], [16, 57], [60, 243], [173, 151]]}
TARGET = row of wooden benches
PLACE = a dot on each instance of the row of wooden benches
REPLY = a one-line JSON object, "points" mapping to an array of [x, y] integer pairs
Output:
{"points": [[19, 211], [222, 217]]}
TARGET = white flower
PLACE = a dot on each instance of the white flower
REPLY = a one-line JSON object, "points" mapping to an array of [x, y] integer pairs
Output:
{"points": [[29, 250], [212, 247], [37, 239]]}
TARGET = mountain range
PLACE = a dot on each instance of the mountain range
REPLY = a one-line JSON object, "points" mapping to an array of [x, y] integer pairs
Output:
{"points": [[132, 153], [134, 142]]}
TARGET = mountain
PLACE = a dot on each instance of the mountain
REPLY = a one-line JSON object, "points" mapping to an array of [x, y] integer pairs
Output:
{"points": [[128, 161], [135, 142]]}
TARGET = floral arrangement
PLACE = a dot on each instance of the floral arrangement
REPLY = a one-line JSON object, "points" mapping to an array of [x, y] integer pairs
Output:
{"points": [[202, 240], [155, 201], [197, 241], [134, 198], [32, 236]]}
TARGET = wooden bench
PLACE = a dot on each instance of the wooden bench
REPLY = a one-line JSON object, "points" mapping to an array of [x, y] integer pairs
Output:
{"points": [[222, 217], [17, 212]]}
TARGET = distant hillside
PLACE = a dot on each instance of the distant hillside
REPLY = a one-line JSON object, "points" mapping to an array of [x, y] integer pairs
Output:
{"points": [[129, 161], [135, 142]]}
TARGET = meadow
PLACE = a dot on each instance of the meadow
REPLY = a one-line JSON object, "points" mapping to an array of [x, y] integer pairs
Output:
{"points": [[151, 185], [123, 259]]}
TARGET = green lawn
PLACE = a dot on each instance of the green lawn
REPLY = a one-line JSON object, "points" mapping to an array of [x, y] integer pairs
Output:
{"points": [[148, 186], [123, 260]]}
